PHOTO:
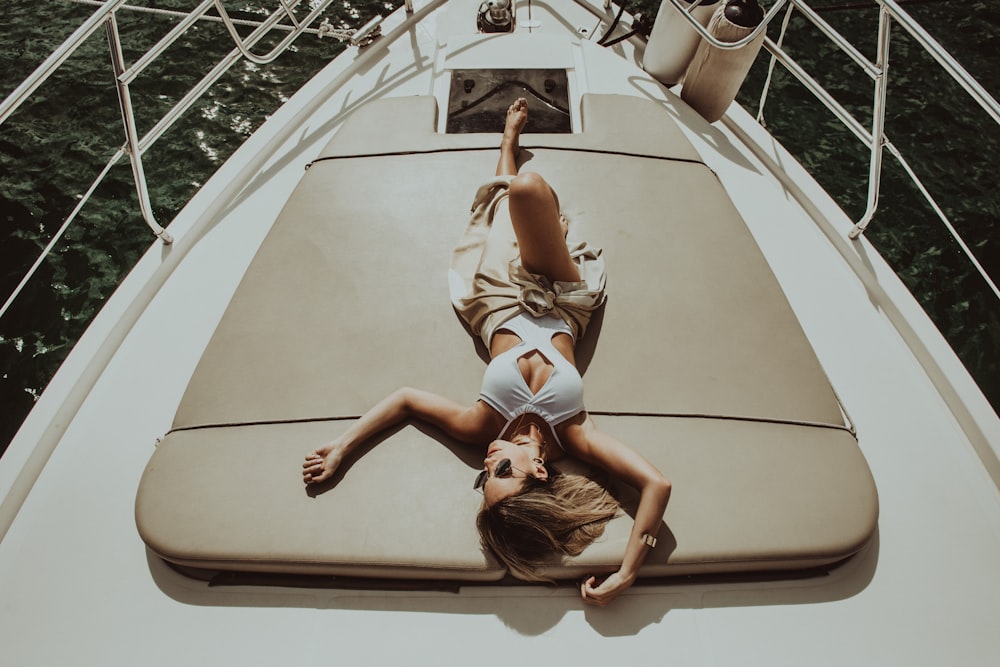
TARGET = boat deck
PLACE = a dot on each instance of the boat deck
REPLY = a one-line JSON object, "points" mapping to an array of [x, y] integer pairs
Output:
{"points": [[79, 584]]}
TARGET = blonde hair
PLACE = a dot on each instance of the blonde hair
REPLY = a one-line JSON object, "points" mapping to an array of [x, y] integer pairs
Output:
{"points": [[562, 516]]}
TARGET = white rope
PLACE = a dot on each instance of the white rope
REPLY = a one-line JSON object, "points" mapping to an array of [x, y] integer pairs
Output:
{"points": [[326, 29]]}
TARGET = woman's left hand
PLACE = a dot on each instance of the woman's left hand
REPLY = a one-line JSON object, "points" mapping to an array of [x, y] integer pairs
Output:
{"points": [[603, 593]]}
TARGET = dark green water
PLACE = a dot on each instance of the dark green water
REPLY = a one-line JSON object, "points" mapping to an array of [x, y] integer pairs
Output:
{"points": [[948, 140], [73, 121]]}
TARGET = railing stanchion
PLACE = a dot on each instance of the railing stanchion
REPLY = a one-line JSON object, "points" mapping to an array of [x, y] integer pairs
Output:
{"points": [[878, 123], [131, 136]]}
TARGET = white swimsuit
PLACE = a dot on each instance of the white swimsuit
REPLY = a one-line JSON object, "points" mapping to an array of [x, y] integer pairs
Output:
{"points": [[505, 389]]}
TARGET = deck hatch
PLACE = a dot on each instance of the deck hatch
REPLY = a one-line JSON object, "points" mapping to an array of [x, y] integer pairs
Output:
{"points": [[478, 97]]}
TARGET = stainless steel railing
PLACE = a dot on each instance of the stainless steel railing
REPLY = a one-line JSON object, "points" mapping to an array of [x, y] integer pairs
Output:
{"points": [[874, 138], [106, 17]]}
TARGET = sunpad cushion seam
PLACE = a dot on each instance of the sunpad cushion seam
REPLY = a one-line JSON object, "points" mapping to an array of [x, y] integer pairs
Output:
{"points": [[473, 149], [666, 415]]}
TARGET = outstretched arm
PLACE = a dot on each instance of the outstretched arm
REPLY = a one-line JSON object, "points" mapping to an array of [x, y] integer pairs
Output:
{"points": [[468, 424], [589, 444]]}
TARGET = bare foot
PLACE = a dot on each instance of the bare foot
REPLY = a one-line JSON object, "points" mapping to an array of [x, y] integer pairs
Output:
{"points": [[321, 463], [510, 147], [517, 117]]}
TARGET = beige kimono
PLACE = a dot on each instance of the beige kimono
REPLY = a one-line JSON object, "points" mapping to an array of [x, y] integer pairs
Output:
{"points": [[489, 286]]}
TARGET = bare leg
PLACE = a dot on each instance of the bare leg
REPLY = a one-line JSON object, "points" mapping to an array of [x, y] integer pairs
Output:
{"points": [[510, 148], [534, 208], [540, 229]]}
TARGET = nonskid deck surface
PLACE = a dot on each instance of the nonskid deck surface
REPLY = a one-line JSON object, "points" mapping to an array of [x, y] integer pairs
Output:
{"points": [[78, 582]]}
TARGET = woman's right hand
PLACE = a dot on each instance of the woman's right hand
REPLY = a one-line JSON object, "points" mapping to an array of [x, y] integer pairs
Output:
{"points": [[321, 463]]}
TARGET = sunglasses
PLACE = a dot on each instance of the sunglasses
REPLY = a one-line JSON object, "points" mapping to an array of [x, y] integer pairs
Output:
{"points": [[503, 469]]}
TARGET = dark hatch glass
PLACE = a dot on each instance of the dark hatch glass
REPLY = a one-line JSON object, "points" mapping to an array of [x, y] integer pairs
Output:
{"points": [[479, 100]]}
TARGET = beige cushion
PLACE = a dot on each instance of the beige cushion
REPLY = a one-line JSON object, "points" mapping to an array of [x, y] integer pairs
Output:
{"points": [[347, 300], [232, 499], [747, 497]]}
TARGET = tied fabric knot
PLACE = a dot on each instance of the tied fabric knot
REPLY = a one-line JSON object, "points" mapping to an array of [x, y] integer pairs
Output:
{"points": [[536, 299], [540, 296]]}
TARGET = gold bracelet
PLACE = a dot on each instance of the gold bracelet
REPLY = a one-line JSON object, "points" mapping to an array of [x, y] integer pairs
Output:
{"points": [[648, 540]]}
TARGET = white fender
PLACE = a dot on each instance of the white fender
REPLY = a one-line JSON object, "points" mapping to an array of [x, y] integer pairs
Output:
{"points": [[673, 41], [715, 75]]}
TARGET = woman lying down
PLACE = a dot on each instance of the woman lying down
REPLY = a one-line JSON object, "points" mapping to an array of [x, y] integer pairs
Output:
{"points": [[530, 301]]}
